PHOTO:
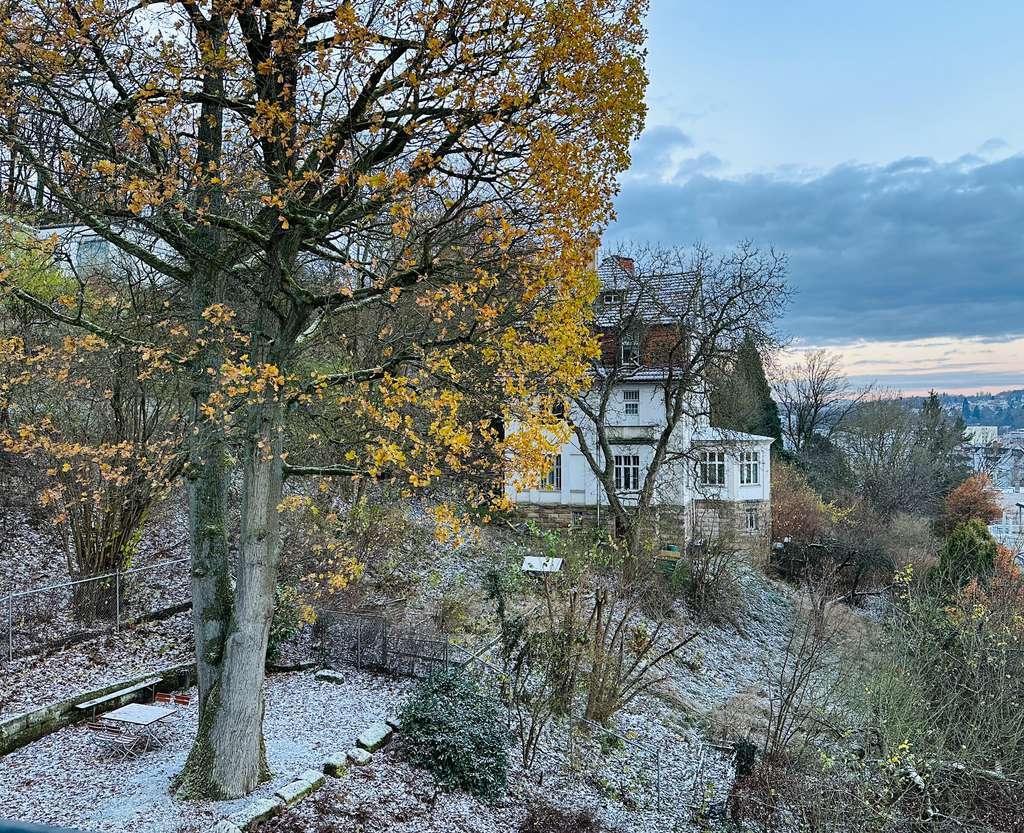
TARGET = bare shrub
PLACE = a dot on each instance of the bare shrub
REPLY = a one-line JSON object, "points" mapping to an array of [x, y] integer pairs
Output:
{"points": [[745, 714], [587, 635], [706, 578], [624, 651], [949, 688], [802, 687], [544, 818], [910, 541], [342, 544]]}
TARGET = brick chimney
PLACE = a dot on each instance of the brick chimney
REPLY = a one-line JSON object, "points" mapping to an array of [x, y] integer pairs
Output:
{"points": [[627, 264]]}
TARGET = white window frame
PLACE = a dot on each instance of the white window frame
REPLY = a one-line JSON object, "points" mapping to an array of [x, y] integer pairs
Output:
{"points": [[627, 472], [631, 402], [612, 296], [629, 350], [552, 480], [750, 468], [711, 461], [752, 523]]}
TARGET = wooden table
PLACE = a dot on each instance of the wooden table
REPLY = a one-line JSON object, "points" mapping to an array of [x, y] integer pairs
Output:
{"points": [[143, 717]]}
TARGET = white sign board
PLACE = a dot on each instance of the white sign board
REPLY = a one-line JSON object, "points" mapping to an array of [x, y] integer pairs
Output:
{"points": [[541, 564]]}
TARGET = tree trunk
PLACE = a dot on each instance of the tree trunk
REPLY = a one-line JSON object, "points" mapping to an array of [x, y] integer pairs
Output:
{"points": [[228, 759]]}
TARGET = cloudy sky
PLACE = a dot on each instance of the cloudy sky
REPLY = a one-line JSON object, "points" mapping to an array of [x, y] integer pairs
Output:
{"points": [[881, 145]]}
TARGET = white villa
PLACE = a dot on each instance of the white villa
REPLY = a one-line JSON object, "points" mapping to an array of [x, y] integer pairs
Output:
{"points": [[1001, 457], [711, 476]]}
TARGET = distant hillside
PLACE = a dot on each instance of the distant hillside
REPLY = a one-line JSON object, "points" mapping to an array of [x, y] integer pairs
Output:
{"points": [[1004, 409]]}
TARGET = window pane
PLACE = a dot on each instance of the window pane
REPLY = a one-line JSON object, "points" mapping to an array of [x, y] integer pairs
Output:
{"points": [[552, 481]]}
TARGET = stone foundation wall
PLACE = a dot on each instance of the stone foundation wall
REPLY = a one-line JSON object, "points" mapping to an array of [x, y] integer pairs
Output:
{"points": [[716, 518], [19, 729], [563, 516], [668, 524]]}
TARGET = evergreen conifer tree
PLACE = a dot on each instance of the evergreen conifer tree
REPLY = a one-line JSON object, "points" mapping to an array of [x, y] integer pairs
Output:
{"points": [[741, 398]]}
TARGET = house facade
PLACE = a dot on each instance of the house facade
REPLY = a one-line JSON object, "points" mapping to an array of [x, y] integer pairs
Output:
{"points": [[713, 481], [1009, 529], [1001, 457]]}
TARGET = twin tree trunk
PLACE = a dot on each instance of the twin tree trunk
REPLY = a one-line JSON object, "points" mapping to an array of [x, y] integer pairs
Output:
{"points": [[232, 614]]}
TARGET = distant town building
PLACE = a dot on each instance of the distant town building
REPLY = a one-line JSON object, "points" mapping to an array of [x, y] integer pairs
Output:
{"points": [[982, 434], [1009, 531]]}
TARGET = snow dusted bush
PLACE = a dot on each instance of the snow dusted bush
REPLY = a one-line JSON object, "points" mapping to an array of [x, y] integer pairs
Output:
{"points": [[454, 729], [544, 818]]}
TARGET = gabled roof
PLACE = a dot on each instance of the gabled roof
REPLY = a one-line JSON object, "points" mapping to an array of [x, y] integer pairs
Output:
{"points": [[654, 299]]}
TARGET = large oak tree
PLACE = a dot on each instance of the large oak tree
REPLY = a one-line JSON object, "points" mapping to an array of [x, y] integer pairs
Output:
{"points": [[351, 217]]}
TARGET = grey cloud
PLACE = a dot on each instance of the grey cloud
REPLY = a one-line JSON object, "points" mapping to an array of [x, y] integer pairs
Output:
{"points": [[993, 145], [911, 249], [705, 163], [655, 152], [942, 380]]}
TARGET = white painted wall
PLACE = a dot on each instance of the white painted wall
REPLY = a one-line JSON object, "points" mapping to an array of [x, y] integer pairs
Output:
{"points": [[676, 484]]}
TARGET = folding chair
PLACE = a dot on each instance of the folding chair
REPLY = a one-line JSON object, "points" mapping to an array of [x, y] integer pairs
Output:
{"points": [[113, 739], [179, 701]]}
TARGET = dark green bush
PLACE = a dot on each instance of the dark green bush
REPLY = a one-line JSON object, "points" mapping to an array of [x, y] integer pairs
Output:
{"points": [[970, 551], [745, 751], [455, 730]]}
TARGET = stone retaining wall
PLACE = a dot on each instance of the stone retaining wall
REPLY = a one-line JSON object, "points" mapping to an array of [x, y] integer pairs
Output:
{"points": [[668, 524], [715, 517], [20, 729]]}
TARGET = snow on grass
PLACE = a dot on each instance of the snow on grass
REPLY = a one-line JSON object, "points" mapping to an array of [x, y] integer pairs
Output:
{"points": [[65, 780], [32, 682]]}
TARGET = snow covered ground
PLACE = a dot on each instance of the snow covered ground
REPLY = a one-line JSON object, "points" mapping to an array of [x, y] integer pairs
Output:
{"points": [[64, 779], [32, 682], [714, 688]]}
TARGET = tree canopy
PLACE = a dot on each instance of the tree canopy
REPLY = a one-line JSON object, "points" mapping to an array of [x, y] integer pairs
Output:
{"points": [[741, 398], [358, 233]]}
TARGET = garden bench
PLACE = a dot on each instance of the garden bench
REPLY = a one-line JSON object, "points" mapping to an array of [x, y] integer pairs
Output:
{"points": [[117, 695]]}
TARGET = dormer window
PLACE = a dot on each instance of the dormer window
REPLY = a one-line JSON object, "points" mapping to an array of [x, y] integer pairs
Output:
{"points": [[611, 298], [629, 349]]}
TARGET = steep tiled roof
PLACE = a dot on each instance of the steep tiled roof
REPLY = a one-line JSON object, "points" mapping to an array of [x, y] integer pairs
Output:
{"points": [[655, 299]]}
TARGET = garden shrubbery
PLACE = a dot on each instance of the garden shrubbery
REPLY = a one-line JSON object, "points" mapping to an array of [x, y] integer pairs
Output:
{"points": [[455, 730], [544, 818]]}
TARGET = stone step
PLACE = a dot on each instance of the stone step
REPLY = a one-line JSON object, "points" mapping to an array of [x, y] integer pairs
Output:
{"points": [[375, 736]]}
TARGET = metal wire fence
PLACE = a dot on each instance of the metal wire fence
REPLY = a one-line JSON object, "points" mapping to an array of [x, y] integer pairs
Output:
{"points": [[43, 618], [375, 642]]}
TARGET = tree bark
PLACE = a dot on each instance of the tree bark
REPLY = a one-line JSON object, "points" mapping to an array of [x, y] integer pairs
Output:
{"points": [[228, 758]]}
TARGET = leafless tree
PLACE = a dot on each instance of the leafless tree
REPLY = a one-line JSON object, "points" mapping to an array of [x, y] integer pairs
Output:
{"points": [[815, 397], [881, 442], [669, 318]]}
